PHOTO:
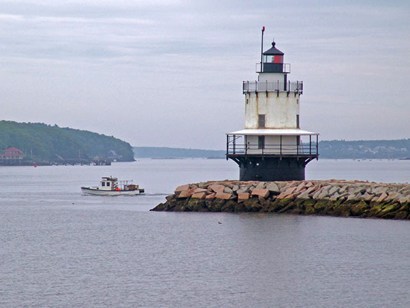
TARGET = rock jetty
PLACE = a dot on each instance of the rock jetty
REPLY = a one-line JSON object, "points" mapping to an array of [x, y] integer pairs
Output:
{"points": [[330, 197]]}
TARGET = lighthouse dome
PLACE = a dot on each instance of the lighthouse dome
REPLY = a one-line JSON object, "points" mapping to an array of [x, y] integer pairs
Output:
{"points": [[273, 51]]}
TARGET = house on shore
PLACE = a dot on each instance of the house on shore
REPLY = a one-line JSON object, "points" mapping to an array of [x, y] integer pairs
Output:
{"points": [[11, 156]]}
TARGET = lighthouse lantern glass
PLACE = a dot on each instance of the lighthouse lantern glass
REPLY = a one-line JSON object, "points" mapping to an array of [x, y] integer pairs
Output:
{"points": [[278, 59]]}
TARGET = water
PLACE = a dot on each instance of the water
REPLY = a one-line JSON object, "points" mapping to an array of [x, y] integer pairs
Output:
{"points": [[62, 249]]}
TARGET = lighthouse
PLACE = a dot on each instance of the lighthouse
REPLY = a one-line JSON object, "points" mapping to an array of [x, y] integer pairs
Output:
{"points": [[272, 146]]}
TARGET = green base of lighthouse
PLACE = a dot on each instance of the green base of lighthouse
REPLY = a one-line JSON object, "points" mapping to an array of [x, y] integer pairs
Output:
{"points": [[271, 169]]}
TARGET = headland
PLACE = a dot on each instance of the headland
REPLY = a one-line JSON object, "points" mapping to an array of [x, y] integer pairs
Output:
{"points": [[325, 197]]}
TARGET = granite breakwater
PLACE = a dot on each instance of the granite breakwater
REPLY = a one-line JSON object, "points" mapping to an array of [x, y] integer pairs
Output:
{"points": [[330, 197]]}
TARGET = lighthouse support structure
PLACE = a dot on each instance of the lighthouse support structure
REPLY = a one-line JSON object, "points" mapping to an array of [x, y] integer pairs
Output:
{"points": [[278, 160], [272, 147]]}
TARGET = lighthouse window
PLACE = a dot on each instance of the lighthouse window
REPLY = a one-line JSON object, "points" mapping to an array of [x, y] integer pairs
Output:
{"points": [[261, 121], [297, 121], [269, 58]]}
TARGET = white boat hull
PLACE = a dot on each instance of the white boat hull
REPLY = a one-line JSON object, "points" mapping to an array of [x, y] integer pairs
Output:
{"points": [[100, 192]]}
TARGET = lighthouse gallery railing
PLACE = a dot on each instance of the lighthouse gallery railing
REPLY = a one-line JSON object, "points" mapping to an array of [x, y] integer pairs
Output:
{"points": [[236, 146], [272, 86]]}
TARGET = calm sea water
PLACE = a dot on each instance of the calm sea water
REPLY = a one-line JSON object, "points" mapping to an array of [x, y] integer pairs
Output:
{"points": [[62, 249]]}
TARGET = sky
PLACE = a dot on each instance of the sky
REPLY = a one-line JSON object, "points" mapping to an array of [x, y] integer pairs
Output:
{"points": [[170, 73]]}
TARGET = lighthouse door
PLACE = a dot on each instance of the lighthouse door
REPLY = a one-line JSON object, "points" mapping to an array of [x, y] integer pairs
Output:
{"points": [[261, 142]]}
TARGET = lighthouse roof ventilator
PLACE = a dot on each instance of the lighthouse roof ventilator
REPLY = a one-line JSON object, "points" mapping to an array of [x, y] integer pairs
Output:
{"points": [[272, 147]]}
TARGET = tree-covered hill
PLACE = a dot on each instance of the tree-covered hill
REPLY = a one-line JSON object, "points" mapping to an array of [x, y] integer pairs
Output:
{"points": [[43, 143], [164, 152]]}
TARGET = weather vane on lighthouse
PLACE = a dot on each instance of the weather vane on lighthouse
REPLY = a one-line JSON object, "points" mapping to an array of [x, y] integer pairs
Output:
{"points": [[272, 147]]}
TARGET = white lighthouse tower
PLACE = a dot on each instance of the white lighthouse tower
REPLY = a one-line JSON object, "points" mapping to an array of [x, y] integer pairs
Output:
{"points": [[272, 147]]}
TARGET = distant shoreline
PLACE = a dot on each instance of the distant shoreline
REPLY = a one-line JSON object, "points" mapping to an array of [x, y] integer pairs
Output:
{"points": [[336, 149], [28, 164]]}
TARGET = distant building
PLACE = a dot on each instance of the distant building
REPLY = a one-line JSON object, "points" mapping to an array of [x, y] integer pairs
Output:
{"points": [[12, 153], [113, 156]]}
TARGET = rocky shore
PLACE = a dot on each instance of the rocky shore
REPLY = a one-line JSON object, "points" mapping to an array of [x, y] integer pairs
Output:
{"points": [[330, 197]]}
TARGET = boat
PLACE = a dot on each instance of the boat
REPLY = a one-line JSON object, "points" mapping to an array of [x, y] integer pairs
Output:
{"points": [[110, 186]]}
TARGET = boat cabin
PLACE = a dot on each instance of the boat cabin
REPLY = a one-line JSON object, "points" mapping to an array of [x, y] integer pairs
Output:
{"points": [[109, 183]]}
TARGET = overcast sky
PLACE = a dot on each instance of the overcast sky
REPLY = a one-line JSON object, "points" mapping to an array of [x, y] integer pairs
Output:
{"points": [[169, 73]]}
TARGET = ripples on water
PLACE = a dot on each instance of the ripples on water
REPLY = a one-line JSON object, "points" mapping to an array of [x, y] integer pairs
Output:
{"points": [[62, 249]]}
